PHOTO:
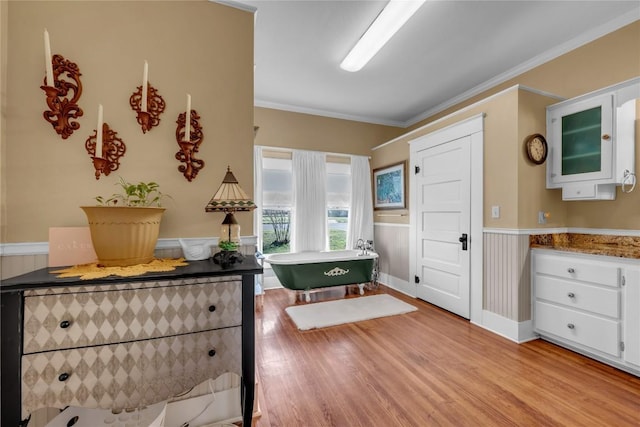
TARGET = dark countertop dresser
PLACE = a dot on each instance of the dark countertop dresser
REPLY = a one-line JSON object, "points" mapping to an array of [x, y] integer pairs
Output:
{"points": [[121, 342]]}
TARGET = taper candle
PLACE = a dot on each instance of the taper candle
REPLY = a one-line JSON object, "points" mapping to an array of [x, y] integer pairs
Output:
{"points": [[47, 60], [145, 81], [99, 133], [187, 120]]}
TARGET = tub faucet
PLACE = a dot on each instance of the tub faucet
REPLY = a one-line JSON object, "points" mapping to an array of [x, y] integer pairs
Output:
{"points": [[369, 245], [360, 245]]}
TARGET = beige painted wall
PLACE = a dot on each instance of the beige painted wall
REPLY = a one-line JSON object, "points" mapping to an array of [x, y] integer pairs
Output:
{"points": [[623, 213], [502, 151], [603, 62], [196, 47], [390, 154], [308, 132], [532, 195], [4, 6]]}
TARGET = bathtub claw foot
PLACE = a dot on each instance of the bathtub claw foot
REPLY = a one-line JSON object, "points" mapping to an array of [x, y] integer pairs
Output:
{"points": [[361, 287], [307, 296]]}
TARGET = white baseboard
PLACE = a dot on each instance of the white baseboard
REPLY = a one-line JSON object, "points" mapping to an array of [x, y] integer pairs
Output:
{"points": [[397, 284], [518, 332]]}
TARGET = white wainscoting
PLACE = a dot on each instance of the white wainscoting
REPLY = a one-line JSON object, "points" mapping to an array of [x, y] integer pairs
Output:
{"points": [[21, 258], [507, 276], [391, 242]]}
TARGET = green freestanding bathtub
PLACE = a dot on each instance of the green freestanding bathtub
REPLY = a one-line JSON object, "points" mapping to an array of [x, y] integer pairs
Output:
{"points": [[304, 271]]}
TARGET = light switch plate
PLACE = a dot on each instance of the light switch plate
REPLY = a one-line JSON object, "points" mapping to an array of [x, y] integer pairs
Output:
{"points": [[495, 211]]}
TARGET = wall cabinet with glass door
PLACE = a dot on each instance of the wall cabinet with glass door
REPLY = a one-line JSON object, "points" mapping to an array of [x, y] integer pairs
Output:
{"points": [[591, 142]]}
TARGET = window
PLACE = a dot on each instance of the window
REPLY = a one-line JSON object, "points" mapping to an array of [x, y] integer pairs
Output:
{"points": [[277, 201], [338, 201]]}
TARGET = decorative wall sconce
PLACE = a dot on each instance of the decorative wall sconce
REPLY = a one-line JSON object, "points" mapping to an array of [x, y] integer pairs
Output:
{"points": [[147, 104], [63, 105], [105, 148], [189, 137]]}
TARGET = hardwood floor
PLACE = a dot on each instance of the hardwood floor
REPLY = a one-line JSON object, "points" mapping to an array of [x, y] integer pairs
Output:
{"points": [[428, 368]]}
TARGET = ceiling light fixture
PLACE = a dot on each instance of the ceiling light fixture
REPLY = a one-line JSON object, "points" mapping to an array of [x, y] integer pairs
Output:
{"points": [[387, 23]]}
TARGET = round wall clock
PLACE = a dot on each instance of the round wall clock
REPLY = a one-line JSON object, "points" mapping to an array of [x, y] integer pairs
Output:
{"points": [[536, 148]]}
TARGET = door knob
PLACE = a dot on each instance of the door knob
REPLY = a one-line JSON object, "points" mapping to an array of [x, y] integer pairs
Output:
{"points": [[463, 239]]}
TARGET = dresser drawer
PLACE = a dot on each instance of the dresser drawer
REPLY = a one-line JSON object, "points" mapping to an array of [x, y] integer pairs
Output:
{"points": [[578, 269], [596, 299], [70, 320], [130, 374], [589, 330]]}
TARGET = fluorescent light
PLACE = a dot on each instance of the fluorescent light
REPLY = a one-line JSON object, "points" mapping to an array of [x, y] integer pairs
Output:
{"points": [[391, 19]]}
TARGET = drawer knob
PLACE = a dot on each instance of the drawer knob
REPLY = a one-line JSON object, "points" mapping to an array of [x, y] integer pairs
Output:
{"points": [[63, 377], [571, 295], [212, 352], [571, 270], [571, 326], [212, 308], [65, 324]]}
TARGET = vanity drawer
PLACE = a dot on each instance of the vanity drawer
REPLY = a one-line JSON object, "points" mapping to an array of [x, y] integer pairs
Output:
{"points": [[129, 374], [69, 320], [588, 330], [596, 299], [578, 269]]}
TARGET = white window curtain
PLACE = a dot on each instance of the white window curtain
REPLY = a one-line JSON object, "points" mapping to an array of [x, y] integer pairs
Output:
{"points": [[309, 225], [257, 192], [361, 212]]}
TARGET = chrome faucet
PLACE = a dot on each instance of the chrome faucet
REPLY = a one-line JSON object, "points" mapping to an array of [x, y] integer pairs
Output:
{"points": [[361, 245], [369, 246]]}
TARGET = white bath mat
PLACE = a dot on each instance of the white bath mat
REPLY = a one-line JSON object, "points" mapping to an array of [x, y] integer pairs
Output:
{"points": [[331, 313]]}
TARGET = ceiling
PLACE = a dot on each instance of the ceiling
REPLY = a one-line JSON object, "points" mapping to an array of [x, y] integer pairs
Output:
{"points": [[447, 52]]}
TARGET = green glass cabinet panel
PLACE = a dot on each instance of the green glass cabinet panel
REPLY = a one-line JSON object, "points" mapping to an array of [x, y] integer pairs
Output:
{"points": [[581, 142]]}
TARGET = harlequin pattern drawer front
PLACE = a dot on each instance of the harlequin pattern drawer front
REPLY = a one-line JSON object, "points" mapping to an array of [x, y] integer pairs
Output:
{"points": [[130, 374], [77, 319], [589, 330], [596, 299]]}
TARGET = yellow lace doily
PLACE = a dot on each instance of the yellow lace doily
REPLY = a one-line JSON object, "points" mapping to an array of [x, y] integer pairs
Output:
{"points": [[93, 271]]}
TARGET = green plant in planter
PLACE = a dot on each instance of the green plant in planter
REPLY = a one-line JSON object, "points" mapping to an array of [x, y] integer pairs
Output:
{"points": [[141, 194], [227, 245], [125, 227], [228, 254]]}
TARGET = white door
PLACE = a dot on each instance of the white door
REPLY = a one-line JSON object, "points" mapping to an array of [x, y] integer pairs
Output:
{"points": [[443, 222]]}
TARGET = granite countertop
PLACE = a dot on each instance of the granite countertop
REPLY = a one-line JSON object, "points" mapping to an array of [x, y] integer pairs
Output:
{"points": [[596, 244]]}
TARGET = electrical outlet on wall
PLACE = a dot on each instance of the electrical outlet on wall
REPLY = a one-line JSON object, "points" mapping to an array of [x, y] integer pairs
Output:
{"points": [[543, 216], [495, 211]]}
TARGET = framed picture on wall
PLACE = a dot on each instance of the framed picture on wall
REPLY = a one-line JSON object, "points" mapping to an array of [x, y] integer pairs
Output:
{"points": [[390, 187]]}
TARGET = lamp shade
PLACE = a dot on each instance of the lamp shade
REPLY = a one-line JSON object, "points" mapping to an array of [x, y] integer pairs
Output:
{"points": [[230, 197]]}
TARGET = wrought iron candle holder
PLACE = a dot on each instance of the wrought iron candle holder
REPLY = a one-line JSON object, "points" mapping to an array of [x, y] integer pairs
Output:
{"points": [[189, 145], [113, 148], [63, 96], [155, 106]]}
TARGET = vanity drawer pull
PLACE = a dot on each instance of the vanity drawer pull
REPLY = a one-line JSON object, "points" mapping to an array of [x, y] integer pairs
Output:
{"points": [[212, 352], [212, 308], [571, 295], [65, 324], [63, 377], [571, 270], [571, 326]]}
